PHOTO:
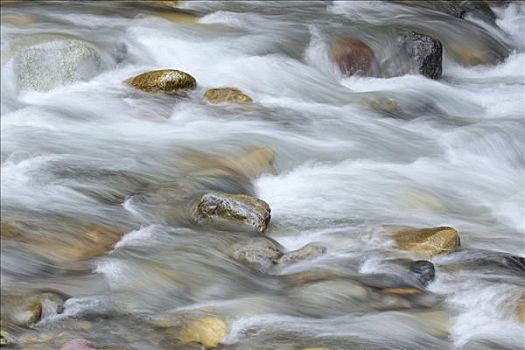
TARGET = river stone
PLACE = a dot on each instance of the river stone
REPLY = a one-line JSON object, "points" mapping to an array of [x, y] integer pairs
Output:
{"points": [[169, 81], [261, 254], [45, 62], [25, 308], [77, 344], [80, 243], [308, 252], [232, 210], [208, 331], [424, 271], [226, 95], [425, 52], [352, 56], [426, 242]]}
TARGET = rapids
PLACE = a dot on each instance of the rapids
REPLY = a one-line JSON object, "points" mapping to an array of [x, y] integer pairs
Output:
{"points": [[97, 153]]}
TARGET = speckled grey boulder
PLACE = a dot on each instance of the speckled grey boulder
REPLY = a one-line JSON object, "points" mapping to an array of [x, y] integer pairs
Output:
{"points": [[50, 62], [237, 211]]}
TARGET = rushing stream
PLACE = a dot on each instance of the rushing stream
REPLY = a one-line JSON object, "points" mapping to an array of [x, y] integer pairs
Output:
{"points": [[98, 179]]}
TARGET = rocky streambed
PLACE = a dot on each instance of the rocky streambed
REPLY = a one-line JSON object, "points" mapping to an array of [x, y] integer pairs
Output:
{"points": [[284, 175]]}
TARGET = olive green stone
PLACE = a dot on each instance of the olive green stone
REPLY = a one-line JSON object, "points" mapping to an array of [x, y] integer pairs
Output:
{"points": [[227, 95]]}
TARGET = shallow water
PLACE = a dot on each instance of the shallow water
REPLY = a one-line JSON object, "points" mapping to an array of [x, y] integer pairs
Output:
{"points": [[98, 153]]}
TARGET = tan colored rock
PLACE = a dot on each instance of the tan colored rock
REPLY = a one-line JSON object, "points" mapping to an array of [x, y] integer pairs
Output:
{"points": [[426, 242], [520, 309], [9, 230], [469, 56], [208, 331], [226, 95], [81, 243], [251, 164], [237, 211], [352, 56], [401, 291], [169, 81]]}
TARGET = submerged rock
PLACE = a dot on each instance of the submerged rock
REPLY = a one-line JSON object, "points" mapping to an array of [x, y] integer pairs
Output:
{"points": [[238, 211], [77, 344], [169, 81], [208, 331], [352, 56], [261, 254], [25, 308], [226, 95], [425, 52], [424, 271], [427, 242], [45, 62], [308, 252]]}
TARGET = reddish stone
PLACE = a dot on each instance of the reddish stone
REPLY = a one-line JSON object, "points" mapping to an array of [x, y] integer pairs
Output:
{"points": [[352, 56]]}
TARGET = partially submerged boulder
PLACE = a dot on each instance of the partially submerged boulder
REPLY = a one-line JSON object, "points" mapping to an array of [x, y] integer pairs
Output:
{"points": [[44, 62], [226, 95], [308, 252], [168, 81], [209, 331], [426, 242], [425, 52], [25, 308], [520, 309], [424, 271], [237, 211], [352, 56], [260, 254]]}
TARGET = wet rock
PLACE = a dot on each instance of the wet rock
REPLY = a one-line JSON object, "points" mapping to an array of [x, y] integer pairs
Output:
{"points": [[25, 308], [77, 344], [424, 271], [426, 242], [250, 164], [305, 277], [406, 298], [260, 254], [352, 56], [208, 331], [308, 252], [226, 95], [45, 62], [425, 52], [169, 81], [232, 210], [469, 56]]}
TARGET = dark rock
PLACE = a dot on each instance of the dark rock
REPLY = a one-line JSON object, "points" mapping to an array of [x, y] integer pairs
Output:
{"points": [[424, 271], [425, 52], [352, 56]]}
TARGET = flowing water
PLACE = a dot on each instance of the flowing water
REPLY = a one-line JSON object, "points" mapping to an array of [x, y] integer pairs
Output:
{"points": [[98, 154]]}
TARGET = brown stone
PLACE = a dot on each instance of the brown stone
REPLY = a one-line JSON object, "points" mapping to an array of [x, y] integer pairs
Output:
{"points": [[520, 309], [352, 56], [401, 291], [426, 242], [169, 81]]}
